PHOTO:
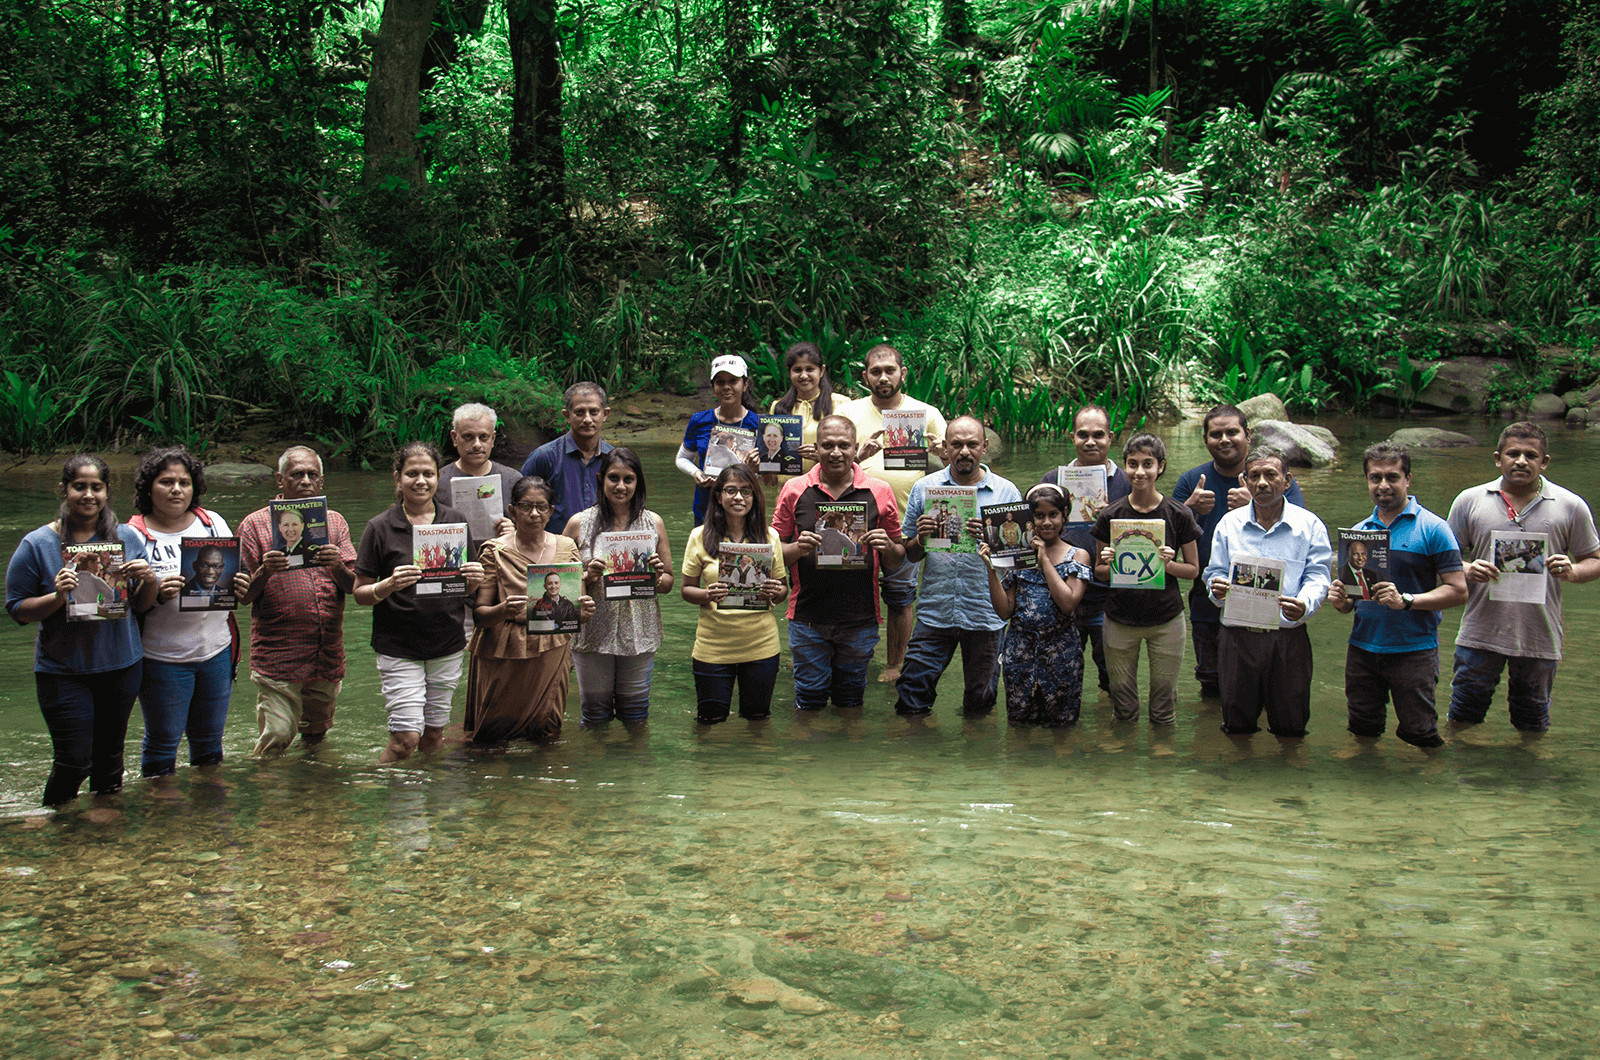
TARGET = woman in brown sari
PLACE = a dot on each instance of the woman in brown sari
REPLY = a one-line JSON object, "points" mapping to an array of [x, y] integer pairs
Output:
{"points": [[517, 681]]}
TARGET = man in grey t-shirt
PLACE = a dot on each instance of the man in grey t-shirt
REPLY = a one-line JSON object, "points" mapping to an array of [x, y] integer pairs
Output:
{"points": [[1500, 634]]}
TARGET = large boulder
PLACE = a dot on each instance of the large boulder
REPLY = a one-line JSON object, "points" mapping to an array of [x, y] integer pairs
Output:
{"points": [[1263, 407], [1462, 384], [1546, 407], [1431, 438], [1302, 445], [237, 474]]}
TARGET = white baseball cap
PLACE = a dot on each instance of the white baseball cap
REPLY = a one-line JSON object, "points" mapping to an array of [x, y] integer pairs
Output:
{"points": [[731, 363]]}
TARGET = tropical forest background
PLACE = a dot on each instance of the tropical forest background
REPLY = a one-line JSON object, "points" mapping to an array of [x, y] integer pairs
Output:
{"points": [[350, 217]]}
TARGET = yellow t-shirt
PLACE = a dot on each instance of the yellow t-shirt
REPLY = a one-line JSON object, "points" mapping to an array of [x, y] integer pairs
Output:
{"points": [[731, 636], [808, 436], [869, 420]]}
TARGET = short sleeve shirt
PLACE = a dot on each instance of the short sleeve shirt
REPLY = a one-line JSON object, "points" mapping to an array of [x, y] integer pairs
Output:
{"points": [[823, 596], [297, 623], [1526, 631], [169, 634], [63, 647], [1147, 607], [404, 625], [955, 586], [725, 637], [1421, 547], [868, 419]]}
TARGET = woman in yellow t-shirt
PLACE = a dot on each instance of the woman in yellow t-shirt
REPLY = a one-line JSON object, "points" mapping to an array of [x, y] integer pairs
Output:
{"points": [[810, 396], [737, 638]]}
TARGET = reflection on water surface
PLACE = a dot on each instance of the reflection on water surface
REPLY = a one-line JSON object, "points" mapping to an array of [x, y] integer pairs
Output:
{"points": [[845, 885]]}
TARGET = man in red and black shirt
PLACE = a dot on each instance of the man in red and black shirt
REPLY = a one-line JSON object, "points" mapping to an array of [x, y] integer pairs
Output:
{"points": [[838, 524], [297, 617]]}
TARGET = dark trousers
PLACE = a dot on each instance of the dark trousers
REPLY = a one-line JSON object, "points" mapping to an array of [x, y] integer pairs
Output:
{"points": [[1090, 618], [928, 655], [1372, 679], [1268, 671], [87, 715], [713, 687], [1203, 633]]}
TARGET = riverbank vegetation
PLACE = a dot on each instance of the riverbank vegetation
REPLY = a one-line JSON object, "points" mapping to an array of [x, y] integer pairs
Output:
{"points": [[345, 219]]}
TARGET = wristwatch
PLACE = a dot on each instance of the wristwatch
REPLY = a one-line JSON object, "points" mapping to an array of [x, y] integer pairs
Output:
{"points": [[1408, 600]]}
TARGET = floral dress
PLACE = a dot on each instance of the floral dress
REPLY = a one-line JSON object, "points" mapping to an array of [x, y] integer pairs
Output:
{"points": [[1043, 655]]}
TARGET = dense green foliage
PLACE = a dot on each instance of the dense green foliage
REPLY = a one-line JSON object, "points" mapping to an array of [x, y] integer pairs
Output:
{"points": [[1037, 202]]}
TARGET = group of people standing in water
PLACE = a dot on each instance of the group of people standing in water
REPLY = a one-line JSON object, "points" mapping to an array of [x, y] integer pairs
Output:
{"points": [[1035, 624]]}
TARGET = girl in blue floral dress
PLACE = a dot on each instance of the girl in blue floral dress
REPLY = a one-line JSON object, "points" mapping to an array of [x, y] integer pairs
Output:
{"points": [[1042, 659]]}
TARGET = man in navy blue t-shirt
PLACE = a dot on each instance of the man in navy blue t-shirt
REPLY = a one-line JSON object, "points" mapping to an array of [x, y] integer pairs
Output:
{"points": [[1394, 647], [1211, 491]]}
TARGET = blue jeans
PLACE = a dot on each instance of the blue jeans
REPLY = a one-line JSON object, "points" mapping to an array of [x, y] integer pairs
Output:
{"points": [[1477, 675], [713, 687], [930, 652], [613, 685], [830, 660], [180, 698], [87, 715]]}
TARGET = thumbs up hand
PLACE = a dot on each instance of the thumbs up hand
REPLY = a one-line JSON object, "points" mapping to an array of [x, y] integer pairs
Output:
{"points": [[1202, 500]]}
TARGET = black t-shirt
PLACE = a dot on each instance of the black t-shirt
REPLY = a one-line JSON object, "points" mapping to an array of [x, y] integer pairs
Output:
{"points": [[1147, 607], [829, 596], [403, 625]]}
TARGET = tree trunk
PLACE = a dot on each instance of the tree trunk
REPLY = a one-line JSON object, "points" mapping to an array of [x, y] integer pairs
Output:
{"points": [[392, 107], [538, 156]]}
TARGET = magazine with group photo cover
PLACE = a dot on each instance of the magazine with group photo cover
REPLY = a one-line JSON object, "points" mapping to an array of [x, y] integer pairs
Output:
{"points": [[727, 445], [627, 558], [842, 525], [208, 565], [440, 549], [1519, 557], [1010, 532], [299, 528], [554, 594], [102, 589], [778, 448], [905, 439], [1363, 561], [743, 567], [951, 507]]}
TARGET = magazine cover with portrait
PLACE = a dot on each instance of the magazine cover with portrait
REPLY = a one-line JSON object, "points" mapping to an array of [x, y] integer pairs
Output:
{"points": [[1363, 561], [299, 528], [778, 445], [208, 565], [1010, 531], [842, 525], [102, 590], [554, 590], [440, 549]]}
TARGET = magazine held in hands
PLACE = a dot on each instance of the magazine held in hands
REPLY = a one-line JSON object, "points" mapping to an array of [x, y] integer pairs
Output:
{"points": [[627, 557], [951, 507], [778, 447], [1363, 561], [842, 525], [1136, 561], [299, 528], [440, 549], [727, 445], [102, 590], [1010, 530], [1520, 559], [1252, 600], [743, 567], [553, 593], [478, 498], [208, 565], [1087, 492], [905, 439]]}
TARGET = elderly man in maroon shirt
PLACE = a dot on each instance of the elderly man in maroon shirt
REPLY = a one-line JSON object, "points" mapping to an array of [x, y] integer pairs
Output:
{"points": [[296, 615]]}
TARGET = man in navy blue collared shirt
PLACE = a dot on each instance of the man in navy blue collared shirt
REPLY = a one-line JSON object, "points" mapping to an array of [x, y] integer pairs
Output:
{"points": [[568, 462], [1269, 667], [1394, 647]]}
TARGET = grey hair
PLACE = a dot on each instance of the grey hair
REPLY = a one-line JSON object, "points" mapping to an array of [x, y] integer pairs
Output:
{"points": [[474, 411], [283, 461]]}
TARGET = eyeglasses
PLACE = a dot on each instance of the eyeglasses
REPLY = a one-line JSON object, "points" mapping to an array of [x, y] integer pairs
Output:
{"points": [[737, 491], [532, 509]]}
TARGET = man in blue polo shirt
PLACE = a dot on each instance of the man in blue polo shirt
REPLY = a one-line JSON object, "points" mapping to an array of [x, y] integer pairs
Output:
{"points": [[955, 608], [1394, 647], [569, 462]]}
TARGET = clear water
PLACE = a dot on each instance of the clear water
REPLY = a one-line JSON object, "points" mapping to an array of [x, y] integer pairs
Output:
{"points": [[847, 885]]}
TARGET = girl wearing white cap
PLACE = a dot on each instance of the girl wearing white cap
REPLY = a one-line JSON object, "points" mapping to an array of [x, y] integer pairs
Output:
{"points": [[736, 407]]}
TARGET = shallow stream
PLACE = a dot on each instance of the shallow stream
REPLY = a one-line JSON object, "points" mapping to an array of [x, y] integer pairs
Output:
{"points": [[844, 885]]}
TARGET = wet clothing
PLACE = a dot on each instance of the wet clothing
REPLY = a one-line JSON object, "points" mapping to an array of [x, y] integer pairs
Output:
{"points": [[1043, 655]]}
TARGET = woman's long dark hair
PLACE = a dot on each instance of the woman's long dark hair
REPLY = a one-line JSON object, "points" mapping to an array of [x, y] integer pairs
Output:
{"points": [[604, 519], [105, 526], [157, 461], [715, 528], [406, 452], [823, 405]]}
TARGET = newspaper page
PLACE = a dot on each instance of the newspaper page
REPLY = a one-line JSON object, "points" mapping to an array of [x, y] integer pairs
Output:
{"points": [[478, 498], [1256, 584], [1520, 558]]}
